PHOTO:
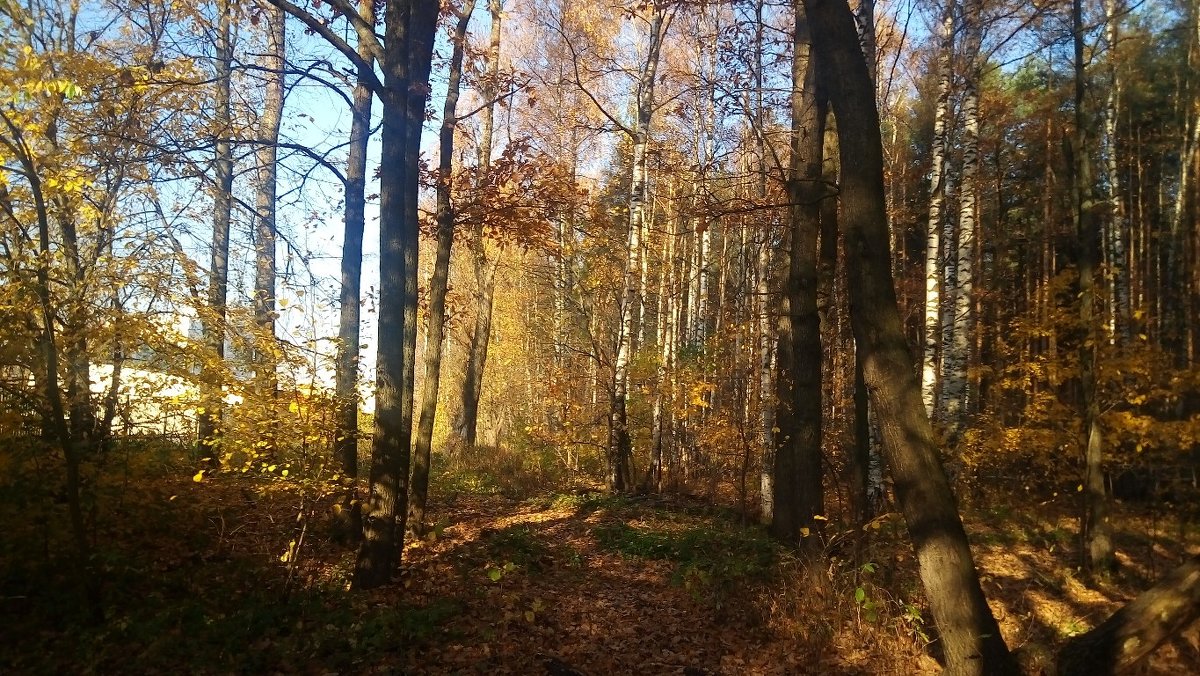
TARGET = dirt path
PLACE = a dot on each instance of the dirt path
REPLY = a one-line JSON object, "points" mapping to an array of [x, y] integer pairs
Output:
{"points": [[538, 587]]}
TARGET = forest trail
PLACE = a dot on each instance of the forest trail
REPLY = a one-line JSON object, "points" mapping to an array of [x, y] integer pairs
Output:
{"points": [[197, 581], [605, 586]]}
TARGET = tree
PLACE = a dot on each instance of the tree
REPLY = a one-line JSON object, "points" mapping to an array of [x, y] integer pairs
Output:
{"points": [[937, 196], [797, 483], [211, 368], [349, 299], [485, 271], [1097, 531], [265, 226], [435, 324], [404, 54], [970, 636]]}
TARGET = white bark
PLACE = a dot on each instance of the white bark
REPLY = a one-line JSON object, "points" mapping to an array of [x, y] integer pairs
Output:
{"points": [[937, 192]]}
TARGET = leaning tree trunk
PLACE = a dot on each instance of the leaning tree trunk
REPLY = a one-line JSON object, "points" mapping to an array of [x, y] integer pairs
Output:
{"points": [[435, 328], [1137, 629], [970, 636], [797, 474]]}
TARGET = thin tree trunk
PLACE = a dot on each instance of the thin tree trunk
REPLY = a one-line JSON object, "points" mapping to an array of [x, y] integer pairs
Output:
{"points": [[349, 513], [209, 423], [1115, 242], [1097, 531], [435, 329], [619, 445], [969, 634], [485, 271], [265, 224], [937, 196], [956, 385]]}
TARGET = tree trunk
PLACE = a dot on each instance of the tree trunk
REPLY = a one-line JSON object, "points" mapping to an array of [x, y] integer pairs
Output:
{"points": [[937, 196], [619, 445], [1097, 531], [266, 155], [408, 42], [1137, 629], [349, 513], [435, 328], [485, 272], [970, 636], [956, 385], [797, 476], [211, 400]]}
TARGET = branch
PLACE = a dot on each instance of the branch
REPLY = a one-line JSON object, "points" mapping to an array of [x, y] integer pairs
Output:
{"points": [[366, 71]]}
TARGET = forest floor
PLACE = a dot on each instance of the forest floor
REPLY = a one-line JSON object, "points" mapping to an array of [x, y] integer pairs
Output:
{"points": [[198, 579]]}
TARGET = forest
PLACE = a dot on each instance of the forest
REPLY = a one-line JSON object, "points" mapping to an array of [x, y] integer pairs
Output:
{"points": [[585, 338]]}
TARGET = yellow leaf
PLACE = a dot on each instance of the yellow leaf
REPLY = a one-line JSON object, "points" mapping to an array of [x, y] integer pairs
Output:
{"points": [[1079, 488], [804, 532], [199, 476], [284, 473]]}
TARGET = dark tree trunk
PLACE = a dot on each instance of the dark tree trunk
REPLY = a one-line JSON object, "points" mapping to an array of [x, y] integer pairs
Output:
{"points": [[348, 519], [1137, 629], [797, 473], [970, 637], [435, 329], [408, 39], [209, 422]]}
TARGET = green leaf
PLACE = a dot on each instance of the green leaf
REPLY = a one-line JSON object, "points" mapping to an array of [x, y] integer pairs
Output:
{"points": [[494, 574], [860, 595]]}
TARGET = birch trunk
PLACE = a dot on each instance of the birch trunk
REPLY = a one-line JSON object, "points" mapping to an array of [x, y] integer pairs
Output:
{"points": [[956, 384], [937, 195], [619, 444]]}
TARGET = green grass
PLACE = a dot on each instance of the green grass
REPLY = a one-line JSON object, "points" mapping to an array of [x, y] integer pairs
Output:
{"points": [[707, 558]]}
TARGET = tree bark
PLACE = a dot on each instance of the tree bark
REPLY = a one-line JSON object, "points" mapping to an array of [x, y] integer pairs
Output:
{"points": [[956, 385], [211, 400], [1097, 531], [1137, 629], [619, 445], [435, 328], [970, 637], [408, 38], [349, 515], [485, 271], [266, 156], [797, 476], [933, 233]]}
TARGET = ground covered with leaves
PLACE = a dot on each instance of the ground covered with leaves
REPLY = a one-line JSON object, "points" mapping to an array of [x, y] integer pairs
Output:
{"points": [[241, 575]]}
